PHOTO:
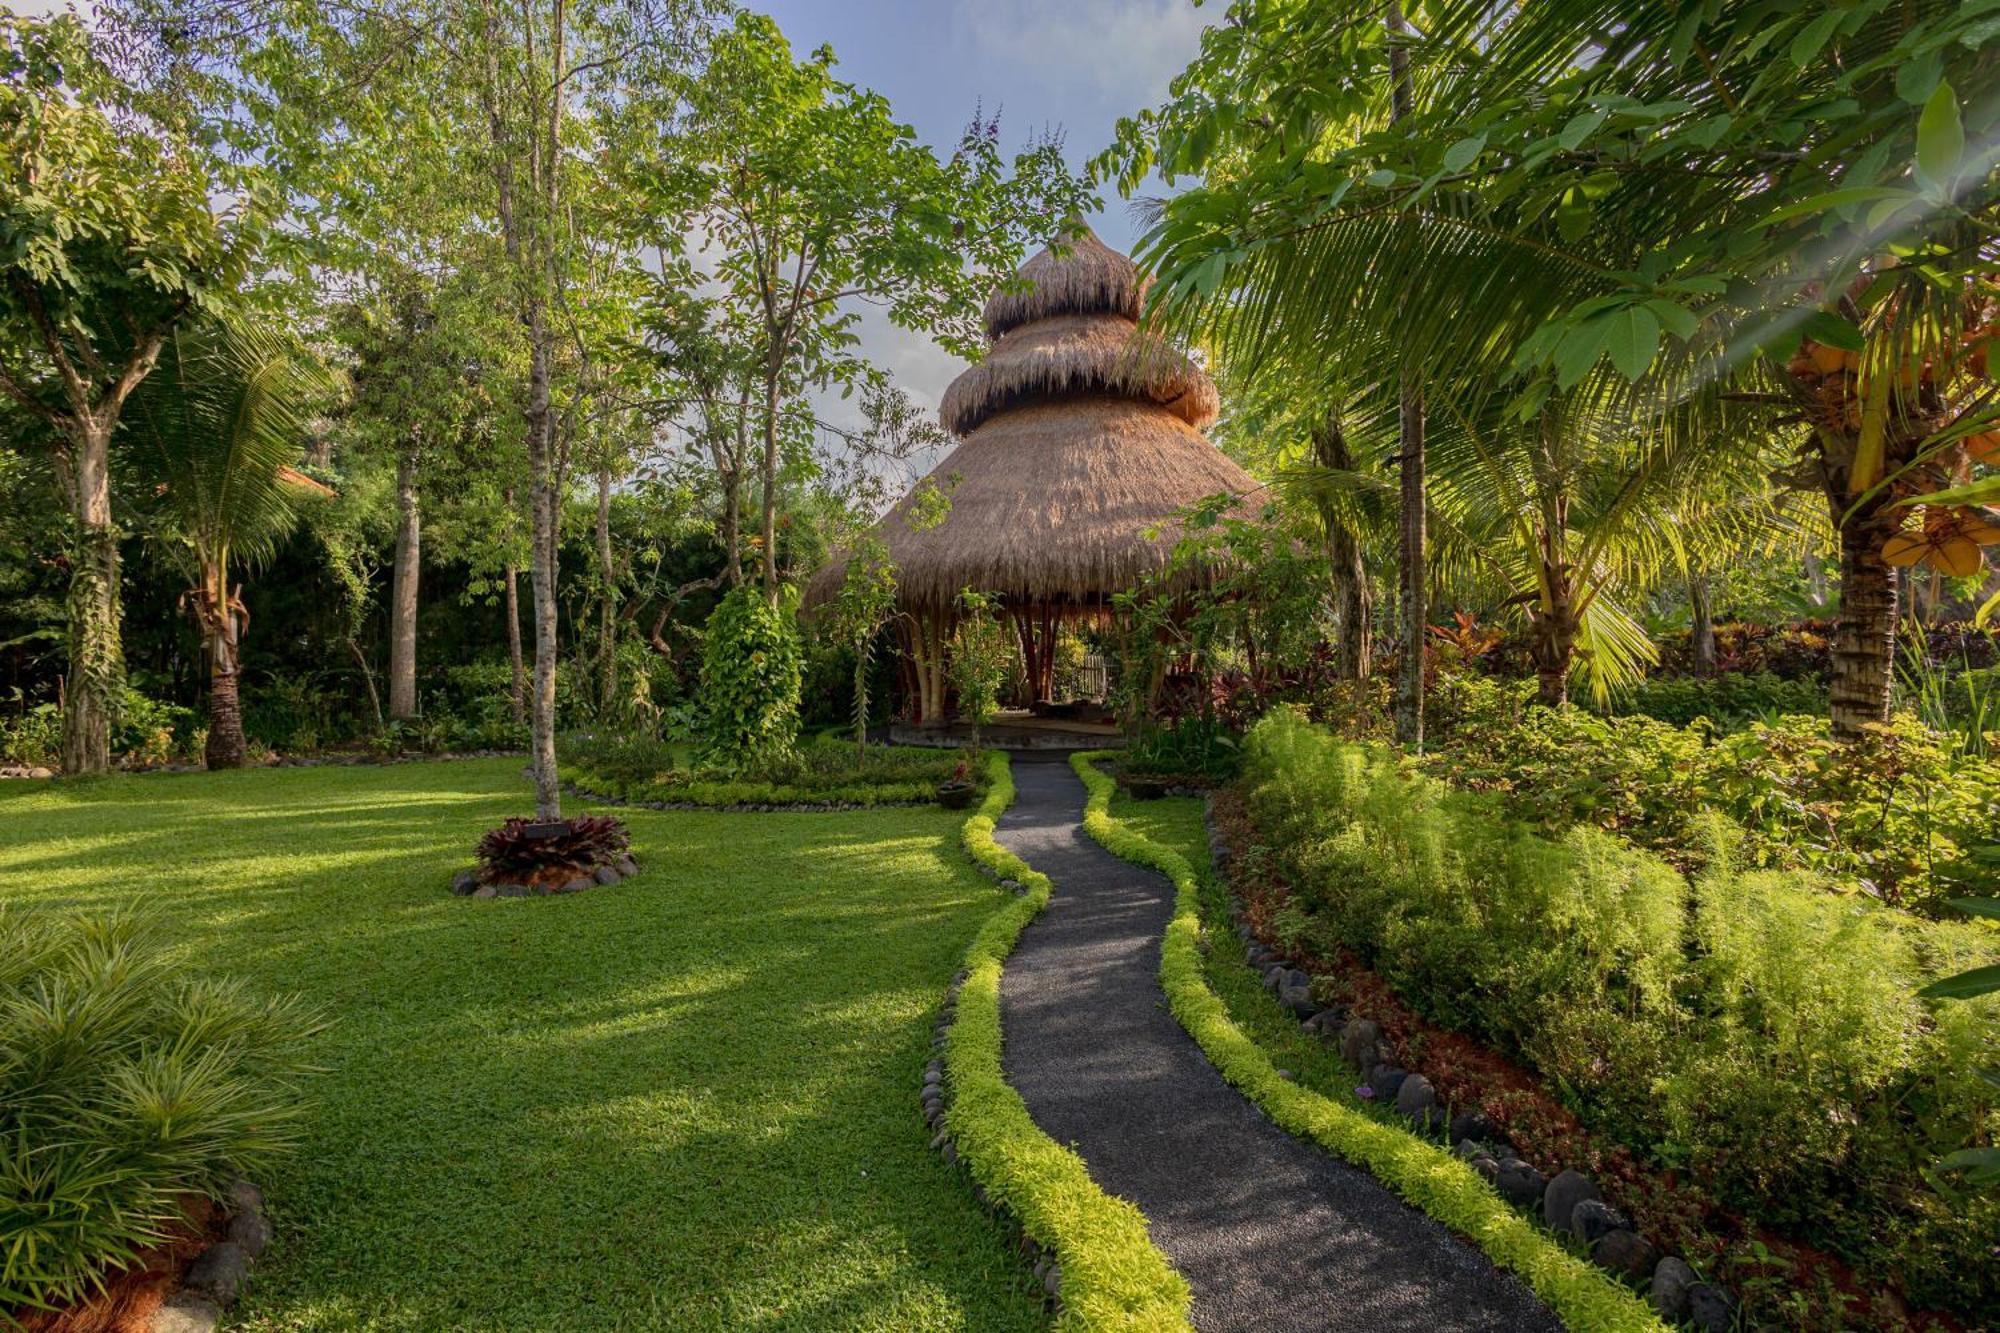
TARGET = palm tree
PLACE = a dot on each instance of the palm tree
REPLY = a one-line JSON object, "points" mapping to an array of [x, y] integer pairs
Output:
{"points": [[220, 424], [1587, 191]]}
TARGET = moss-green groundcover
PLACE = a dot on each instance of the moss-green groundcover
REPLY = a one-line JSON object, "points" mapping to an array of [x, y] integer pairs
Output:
{"points": [[684, 1102]]}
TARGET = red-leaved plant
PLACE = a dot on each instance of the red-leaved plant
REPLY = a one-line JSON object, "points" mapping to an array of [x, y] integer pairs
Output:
{"points": [[508, 855]]}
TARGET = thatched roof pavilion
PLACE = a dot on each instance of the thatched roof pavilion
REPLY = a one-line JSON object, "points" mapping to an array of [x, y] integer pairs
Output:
{"points": [[1081, 440]]}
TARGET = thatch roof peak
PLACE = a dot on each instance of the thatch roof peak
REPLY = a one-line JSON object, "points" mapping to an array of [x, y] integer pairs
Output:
{"points": [[1077, 274], [1062, 355]]}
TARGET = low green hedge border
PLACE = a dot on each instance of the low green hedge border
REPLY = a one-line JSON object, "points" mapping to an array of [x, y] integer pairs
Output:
{"points": [[1424, 1174], [1113, 1276], [723, 794]]}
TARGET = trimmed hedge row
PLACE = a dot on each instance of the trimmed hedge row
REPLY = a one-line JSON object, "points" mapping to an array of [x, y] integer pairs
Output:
{"points": [[1422, 1173], [822, 772], [1113, 1276]]}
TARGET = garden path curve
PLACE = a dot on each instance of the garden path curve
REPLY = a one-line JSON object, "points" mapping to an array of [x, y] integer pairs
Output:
{"points": [[1270, 1232]]}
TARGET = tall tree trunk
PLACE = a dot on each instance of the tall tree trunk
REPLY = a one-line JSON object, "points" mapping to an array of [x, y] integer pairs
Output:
{"points": [[1703, 634], [226, 747], [1864, 638], [96, 680], [771, 479], [542, 576], [1343, 553], [1412, 602], [403, 587], [607, 605], [517, 682], [1552, 643], [1410, 430]]}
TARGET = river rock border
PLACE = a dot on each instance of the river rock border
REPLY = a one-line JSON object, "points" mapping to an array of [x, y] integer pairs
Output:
{"points": [[1568, 1202], [934, 1097], [465, 884], [215, 1279]]}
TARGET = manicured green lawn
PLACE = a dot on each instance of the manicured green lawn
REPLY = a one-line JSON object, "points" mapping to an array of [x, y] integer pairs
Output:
{"points": [[684, 1102]]}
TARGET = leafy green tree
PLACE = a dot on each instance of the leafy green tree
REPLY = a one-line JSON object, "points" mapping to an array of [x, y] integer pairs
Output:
{"points": [[220, 425], [750, 672], [112, 235], [818, 198]]}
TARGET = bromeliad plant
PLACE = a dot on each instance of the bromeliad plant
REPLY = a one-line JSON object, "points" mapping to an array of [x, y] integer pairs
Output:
{"points": [[128, 1089], [522, 851]]}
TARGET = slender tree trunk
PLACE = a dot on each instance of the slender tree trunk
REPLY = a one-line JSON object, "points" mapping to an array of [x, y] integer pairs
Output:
{"points": [[607, 607], [1412, 603], [1410, 673], [1704, 623], [1343, 553], [96, 680], [226, 747], [771, 480], [1864, 639], [367, 678], [542, 577], [403, 588], [517, 682]]}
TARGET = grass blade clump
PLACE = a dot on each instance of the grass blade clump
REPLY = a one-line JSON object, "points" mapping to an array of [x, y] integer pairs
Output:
{"points": [[126, 1086]]}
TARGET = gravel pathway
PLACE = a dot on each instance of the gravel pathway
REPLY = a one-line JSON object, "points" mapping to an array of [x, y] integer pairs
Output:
{"points": [[1270, 1232]]}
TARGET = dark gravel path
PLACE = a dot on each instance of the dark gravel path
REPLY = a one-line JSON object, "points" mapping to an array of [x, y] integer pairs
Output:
{"points": [[1270, 1232]]}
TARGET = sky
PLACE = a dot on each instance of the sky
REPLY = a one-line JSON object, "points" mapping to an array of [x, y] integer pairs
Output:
{"points": [[1071, 65]]}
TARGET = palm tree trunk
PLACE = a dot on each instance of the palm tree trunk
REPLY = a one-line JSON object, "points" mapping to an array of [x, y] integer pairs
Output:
{"points": [[1704, 624], [403, 590], [1357, 631], [1864, 638], [226, 746], [96, 680], [1343, 555], [1410, 672], [1412, 603]]}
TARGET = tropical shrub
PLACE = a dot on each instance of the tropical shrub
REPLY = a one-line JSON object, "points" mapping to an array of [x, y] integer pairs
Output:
{"points": [[1893, 815], [750, 675], [147, 733], [1201, 747], [1754, 1027], [126, 1086], [1728, 700]]}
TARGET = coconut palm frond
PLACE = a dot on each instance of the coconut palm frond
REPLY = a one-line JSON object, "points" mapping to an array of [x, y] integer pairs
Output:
{"points": [[219, 423]]}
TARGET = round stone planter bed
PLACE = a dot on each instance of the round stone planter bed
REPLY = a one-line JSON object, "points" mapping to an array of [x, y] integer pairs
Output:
{"points": [[466, 883]]}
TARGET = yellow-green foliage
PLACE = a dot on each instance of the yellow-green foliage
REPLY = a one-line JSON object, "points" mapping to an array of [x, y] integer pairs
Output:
{"points": [[1425, 1175], [1759, 1027], [1113, 1277]]}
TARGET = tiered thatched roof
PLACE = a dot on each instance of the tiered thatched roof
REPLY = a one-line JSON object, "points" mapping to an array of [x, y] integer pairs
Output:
{"points": [[1081, 441]]}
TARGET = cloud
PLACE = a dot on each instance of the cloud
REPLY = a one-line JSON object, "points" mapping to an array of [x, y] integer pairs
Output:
{"points": [[1121, 52]]}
